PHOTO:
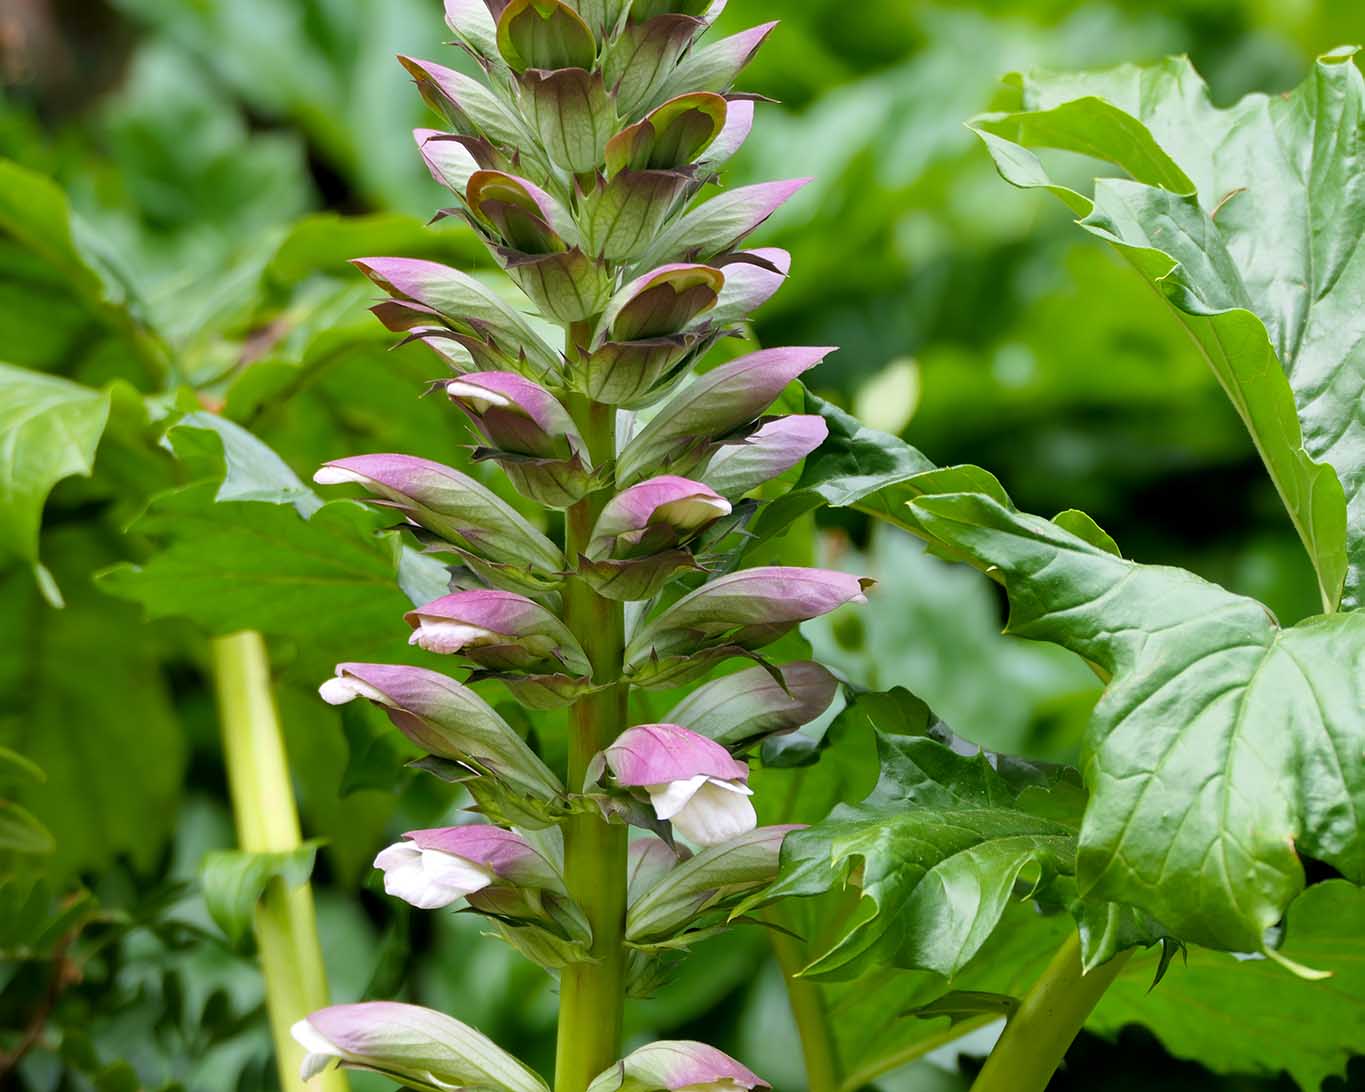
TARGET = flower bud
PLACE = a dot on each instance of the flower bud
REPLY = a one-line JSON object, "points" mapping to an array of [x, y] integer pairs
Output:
{"points": [[454, 506], [654, 515], [544, 34], [473, 110], [532, 436], [716, 879], [464, 305], [740, 709], [733, 613], [434, 868], [719, 225], [661, 303], [715, 67], [641, 61], [572, 112], [680, 435], [771, 449], [691, 781], [670, 137], [677, 1065], [523, 216], [499, 630], [447, 720], [415, 1046]]}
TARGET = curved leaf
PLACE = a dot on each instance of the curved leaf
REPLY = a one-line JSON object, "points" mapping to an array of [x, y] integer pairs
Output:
{"points": [[1247, 221], [1223, 744]]}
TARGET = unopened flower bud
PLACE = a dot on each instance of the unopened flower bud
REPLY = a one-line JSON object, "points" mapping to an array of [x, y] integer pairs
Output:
{"points": [[498, 629], [415, 1046], [530, 434], [655, 515], [544, 34], [678, 1065]]}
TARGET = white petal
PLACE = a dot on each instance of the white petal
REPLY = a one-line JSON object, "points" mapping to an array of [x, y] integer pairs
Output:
{"points": [[715, 814], [397, 855], [452, 871], [336, 475], [448, 636], [731, 786], [344, 688], [411, 884], [480, 399], [672, 796], [320, 1050]]}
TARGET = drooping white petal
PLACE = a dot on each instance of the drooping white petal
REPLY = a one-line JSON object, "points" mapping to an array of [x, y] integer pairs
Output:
{"points": [[320, 1049], [717, 811], [344, 688], [671, 797]]}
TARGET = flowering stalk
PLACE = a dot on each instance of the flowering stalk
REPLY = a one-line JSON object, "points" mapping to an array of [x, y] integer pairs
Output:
{"points": [[576, 159], [267, 822], [592, 995]]}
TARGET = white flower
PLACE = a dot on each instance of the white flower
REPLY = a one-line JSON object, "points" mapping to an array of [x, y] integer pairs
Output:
{"points": [[705, 810], [430, 878]]}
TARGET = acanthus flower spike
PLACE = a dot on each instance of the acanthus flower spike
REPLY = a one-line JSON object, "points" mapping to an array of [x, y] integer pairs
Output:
{"points": [[674, 1066], [530, 435], [691, 781]]}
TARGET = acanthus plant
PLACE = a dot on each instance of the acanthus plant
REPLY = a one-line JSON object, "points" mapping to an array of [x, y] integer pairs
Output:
{"points": [[1224, 747], [576, 160]]}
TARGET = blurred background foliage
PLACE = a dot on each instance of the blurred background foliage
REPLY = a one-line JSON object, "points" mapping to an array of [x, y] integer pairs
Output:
{"points": [[185, 181]]}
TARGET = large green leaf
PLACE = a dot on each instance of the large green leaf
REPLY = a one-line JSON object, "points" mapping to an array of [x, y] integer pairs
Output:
{"points": [[866, 1019], [49, 429], [1247, 221], [938, 846], [1239, 1015], [249, 546], [1223, 746], [82, 696], [60, 275]]}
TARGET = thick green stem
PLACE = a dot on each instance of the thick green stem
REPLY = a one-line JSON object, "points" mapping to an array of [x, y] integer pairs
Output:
{"points": [[807, 1002], [592, 995], [1047, 1021], [267, 822]]}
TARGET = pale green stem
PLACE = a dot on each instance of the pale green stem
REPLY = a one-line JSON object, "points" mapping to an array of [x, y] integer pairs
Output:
{"points": [[1047, 1021], [592, 995], [267, 822], [818, 1048]]}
